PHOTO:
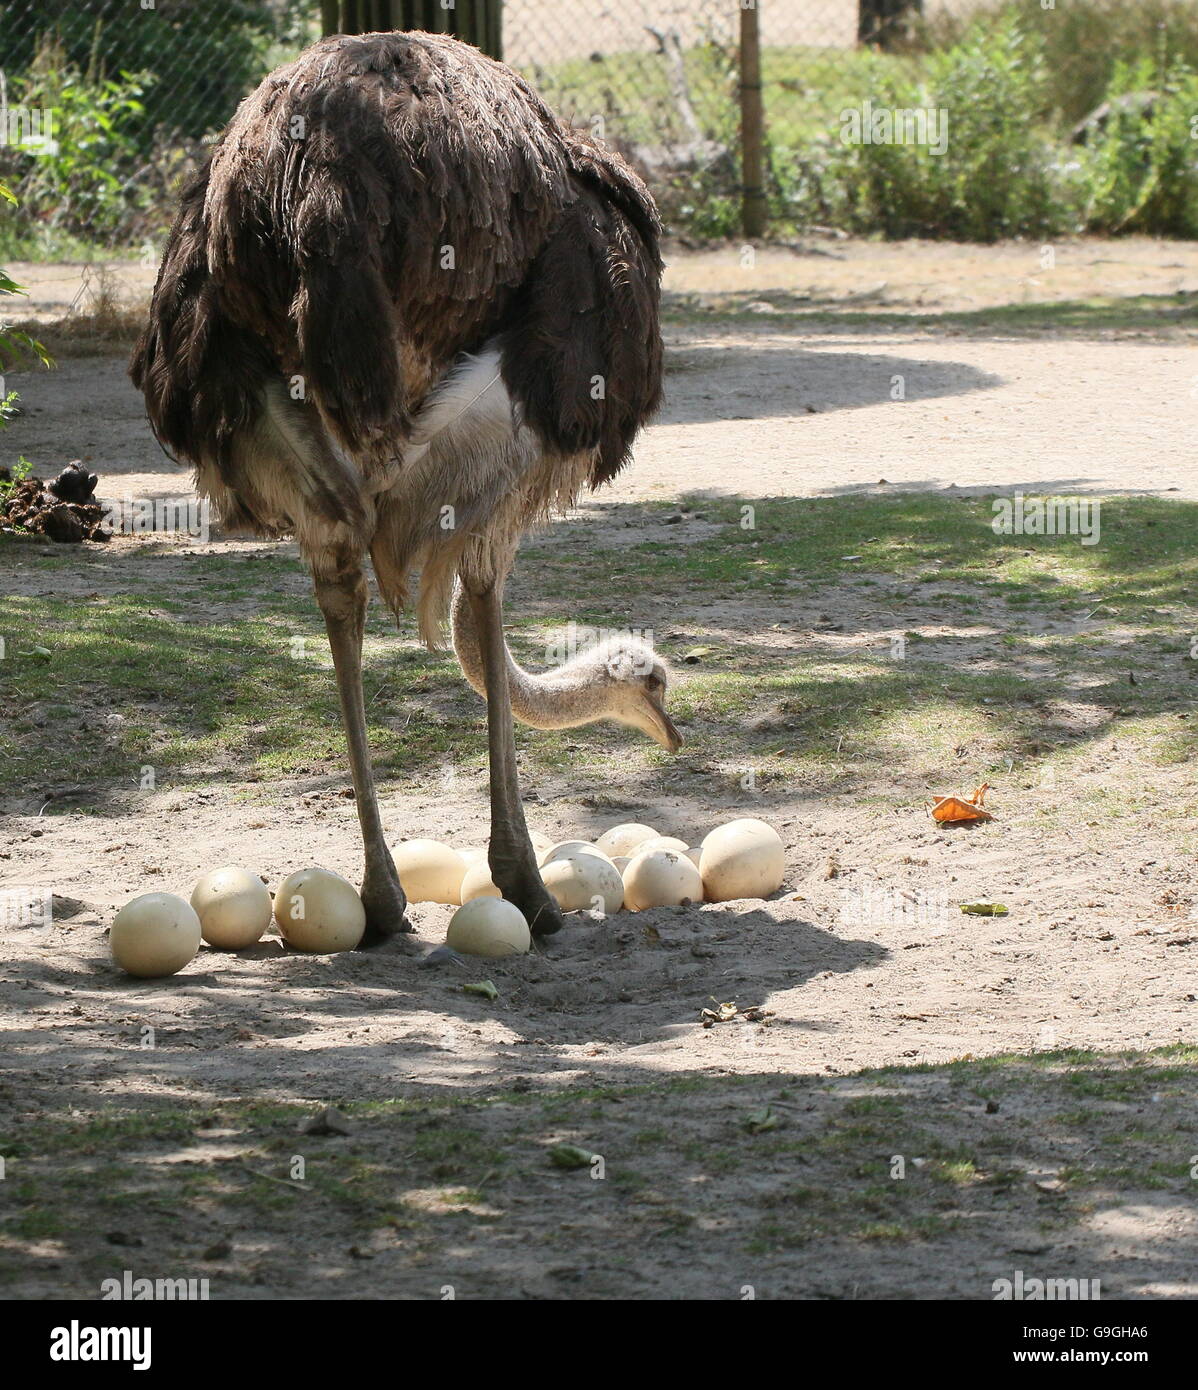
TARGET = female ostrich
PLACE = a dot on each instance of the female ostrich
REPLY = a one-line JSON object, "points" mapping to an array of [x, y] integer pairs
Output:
{"points": [[405, 311]]}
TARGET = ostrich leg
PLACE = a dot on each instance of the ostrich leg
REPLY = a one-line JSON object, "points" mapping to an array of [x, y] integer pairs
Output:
{"points": [[342, 600], [513, 863]]}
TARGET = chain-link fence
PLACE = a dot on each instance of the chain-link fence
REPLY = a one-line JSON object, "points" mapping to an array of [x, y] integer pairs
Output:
{"points": [[132, 87]]}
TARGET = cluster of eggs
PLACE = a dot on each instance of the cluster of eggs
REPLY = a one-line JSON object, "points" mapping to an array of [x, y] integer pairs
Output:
{"points": [[160, 933], [629, 866]]}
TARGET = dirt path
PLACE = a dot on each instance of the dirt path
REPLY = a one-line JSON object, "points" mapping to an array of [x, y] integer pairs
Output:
{"points": [[809, 408]]}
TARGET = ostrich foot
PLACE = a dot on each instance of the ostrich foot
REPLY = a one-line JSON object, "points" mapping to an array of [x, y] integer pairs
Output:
{"points": [[384, 901], [530, 895]]}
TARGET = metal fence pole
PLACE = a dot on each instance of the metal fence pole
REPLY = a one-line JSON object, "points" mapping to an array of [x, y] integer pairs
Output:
{"points": [[752, 123]]}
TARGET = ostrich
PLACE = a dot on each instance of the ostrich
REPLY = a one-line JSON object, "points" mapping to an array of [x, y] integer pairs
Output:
{"points": [[403, 313]]}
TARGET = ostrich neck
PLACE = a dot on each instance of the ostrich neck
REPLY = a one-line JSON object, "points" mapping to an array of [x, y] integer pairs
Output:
{"points": [[562, 698]]}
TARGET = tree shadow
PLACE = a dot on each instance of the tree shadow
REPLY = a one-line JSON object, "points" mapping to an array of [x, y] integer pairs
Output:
{"points": [[772, 380], [681, 1181]]}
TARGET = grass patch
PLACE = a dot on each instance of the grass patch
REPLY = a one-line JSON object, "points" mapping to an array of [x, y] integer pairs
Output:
{"points": [[1097, 316], [215, 667]]}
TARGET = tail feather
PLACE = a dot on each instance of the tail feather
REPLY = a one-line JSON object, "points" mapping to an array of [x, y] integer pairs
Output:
{"points": [[583, 351], [348, 339]]}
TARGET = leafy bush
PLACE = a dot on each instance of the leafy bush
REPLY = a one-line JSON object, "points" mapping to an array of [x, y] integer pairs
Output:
{"points": [[1142, 169], [1009, 167], [85, 181], [15, 345], [998, 174], [1084, 43], [16, 474], [204, 57]]}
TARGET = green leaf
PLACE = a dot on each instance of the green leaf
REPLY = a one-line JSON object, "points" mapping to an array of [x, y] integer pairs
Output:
{"points": [[483, 987], [570, 1156], [985, 909], [760, 1121]]}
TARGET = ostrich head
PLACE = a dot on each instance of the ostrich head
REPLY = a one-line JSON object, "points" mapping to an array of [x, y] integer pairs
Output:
{"points": [[630, 681]]}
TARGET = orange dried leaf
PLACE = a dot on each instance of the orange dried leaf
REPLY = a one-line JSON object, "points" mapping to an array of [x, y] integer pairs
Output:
{"points": [[949, 810]]}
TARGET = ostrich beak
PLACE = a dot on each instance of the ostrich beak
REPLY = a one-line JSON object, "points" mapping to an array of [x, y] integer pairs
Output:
{"points": [[661, 727]]}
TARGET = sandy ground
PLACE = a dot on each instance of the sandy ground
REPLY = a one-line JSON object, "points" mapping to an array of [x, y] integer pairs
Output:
{"points": [[1096, 951]]}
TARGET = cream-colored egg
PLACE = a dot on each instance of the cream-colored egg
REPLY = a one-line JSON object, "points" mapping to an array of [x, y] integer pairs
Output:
{"points": [[155, 934], [564, 849], [430, 872], [623, 840], [478, 883], [318, 910], [743, 859], [585, 881], [488, 927], [659, 878], [233, 906], [663, 842], [540, 844]]}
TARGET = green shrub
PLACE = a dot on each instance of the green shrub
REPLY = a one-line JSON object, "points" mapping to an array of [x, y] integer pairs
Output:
{"points": [[84, 183], [205, 57], [1009, 167], [999, 173], [15, 345], [1084, 42], [1142, 169]]}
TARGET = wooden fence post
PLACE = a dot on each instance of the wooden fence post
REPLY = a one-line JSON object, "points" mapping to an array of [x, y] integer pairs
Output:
{"points": [[754, 210]]}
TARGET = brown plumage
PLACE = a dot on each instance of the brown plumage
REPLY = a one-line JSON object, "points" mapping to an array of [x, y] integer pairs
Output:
{"points": [[404, 311]]}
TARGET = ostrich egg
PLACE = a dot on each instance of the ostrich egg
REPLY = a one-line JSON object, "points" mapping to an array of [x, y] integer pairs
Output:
{"points": [[319, 911], [566, 849], [623, 840], [663, 842], [478, 883], [488, 927], [233, 906], [155, 934], [660, 878], [430, 872], [743, 859], [584, 881]]}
